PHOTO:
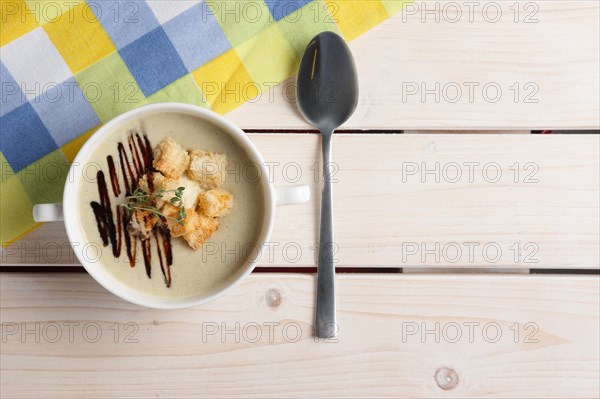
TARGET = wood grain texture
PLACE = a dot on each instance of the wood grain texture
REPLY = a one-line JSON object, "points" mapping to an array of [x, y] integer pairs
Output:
{"points": [[175, 355], [496, 201], [557, 55]]}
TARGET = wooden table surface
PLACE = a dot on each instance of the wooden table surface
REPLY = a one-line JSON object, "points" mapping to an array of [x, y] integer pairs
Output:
{"points": [[469, 260]]}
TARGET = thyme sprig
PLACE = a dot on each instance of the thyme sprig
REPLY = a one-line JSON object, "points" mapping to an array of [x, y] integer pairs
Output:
{"points": [[144, 201]]}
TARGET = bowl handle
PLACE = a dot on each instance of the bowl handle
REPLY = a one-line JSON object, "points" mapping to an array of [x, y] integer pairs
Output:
{"points": [[48, 212], [292, 195]]}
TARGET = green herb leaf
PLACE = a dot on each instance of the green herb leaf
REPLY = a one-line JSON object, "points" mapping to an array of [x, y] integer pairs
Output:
{"points": [[144, 201]]}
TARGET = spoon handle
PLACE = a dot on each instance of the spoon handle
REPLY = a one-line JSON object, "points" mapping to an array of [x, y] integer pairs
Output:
{"points": [[326, 324]]}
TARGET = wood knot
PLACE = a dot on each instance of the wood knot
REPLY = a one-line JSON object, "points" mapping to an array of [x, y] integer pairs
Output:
{"points": [[273, 298], [446, 378]]}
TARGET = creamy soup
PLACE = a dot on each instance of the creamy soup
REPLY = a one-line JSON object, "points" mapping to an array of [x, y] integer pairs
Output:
{"points": [[191, 272]]}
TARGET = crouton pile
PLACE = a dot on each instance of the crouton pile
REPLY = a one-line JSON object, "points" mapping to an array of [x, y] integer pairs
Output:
{"points": [[202, 174]]}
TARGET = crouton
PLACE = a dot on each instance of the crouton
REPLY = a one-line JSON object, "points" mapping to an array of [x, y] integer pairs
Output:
{"points": [[204, 227], [207, 168], [170, 158], [172, 213], [215, 203], [150, 179], [190, 193], [141, 223]]}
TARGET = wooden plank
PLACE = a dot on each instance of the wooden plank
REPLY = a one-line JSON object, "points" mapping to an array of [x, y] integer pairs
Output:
{"points": [[554, 63], [382, 349], [496, 201]]}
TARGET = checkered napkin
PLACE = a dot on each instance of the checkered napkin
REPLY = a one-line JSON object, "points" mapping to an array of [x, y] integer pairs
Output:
{"points": [[69, 66]]}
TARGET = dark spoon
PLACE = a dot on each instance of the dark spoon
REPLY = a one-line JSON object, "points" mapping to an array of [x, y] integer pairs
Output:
{"points": [[327, 92]]}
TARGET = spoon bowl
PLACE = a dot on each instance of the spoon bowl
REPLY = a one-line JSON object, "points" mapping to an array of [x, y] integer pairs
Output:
{"points": [[327, 90]]}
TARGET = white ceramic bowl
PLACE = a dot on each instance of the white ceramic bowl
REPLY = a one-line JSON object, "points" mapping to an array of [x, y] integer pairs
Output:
{"points": [[70, 208]]}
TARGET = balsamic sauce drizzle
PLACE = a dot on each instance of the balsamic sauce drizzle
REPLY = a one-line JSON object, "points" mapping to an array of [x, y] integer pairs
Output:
{"points": [[114, 231]]}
